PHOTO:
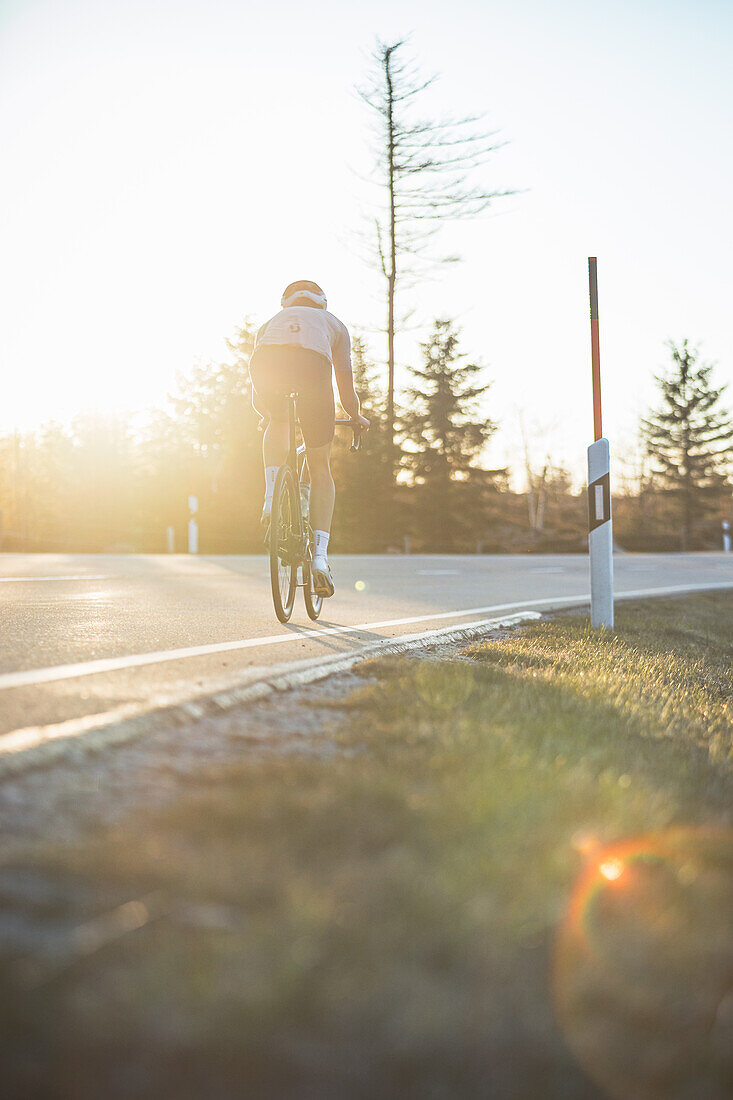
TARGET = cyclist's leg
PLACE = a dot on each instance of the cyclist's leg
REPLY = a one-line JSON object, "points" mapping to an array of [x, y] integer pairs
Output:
{"points": [[268, 400], [317, 415], [323, 493], [275, 443], [323, 490], [316, 412]]}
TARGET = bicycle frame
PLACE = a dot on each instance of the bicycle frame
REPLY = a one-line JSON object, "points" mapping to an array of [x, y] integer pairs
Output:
{"points": [[290, 540]]}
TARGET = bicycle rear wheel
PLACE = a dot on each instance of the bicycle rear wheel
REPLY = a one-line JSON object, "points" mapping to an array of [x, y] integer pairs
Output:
{"points": [[284, 543], [313, 603]]}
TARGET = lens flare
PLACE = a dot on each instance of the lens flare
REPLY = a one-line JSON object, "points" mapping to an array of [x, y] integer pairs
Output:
{"points": [[641, 960], [611, 869]]}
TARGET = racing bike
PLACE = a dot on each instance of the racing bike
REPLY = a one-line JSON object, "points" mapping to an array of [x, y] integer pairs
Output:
{"points": [[291, 535]]}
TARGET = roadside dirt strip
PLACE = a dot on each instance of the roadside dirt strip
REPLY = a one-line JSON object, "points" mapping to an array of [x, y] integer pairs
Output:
{"points": [[70, 786], [77, 794]]}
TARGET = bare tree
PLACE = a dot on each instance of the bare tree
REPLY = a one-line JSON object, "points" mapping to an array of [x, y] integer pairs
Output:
{"points": [[424, 168], [545, 479], [536, 485]]}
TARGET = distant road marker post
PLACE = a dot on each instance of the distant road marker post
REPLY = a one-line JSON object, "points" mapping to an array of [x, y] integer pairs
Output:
{"points": [[600, 528], [193, 527]]}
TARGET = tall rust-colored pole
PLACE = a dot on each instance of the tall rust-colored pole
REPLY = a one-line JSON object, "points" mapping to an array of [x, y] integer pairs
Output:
{"points": [[595, 347]]}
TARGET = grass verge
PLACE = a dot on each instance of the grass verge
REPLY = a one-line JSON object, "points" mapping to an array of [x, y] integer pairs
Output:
{"points": [[513, 879]]}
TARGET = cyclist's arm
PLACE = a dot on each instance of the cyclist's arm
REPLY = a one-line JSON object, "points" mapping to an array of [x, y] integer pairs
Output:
{"points": [[345, 376], [347, 394]]}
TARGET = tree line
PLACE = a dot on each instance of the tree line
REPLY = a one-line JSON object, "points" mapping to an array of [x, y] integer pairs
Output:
{"points": [[421, 482]]}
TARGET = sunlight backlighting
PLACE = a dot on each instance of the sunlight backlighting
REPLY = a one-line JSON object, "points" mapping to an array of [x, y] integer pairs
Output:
{"points": [[148, 204]]}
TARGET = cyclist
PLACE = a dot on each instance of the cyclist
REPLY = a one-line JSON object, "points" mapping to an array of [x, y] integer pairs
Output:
{"points": [[294, 352]]}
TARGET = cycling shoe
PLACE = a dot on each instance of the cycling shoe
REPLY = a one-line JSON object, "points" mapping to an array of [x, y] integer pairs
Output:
{"points": [[322, 579]]}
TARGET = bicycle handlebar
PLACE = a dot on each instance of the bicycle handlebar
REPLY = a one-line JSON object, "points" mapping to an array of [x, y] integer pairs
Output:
{"points": [[357, 431]]}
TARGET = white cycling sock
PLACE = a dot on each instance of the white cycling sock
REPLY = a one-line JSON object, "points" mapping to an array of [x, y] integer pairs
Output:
{"points": [[270, 475], [321, 544]]}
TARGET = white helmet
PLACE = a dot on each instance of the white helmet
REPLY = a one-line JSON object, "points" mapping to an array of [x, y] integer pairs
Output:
{"points": [[303, 292]]}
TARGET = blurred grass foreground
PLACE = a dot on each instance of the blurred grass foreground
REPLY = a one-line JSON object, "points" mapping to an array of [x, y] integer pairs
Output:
{"points": [[507, 874]]}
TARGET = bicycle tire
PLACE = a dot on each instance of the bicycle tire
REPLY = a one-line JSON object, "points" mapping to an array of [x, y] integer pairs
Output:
{"points": [[284, 539], [313, 603]]}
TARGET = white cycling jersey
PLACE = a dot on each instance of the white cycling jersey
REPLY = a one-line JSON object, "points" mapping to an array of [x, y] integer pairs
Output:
{"points": [[306, 327]]}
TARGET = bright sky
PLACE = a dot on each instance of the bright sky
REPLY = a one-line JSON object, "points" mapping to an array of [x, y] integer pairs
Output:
{"points": [[169, 165]]}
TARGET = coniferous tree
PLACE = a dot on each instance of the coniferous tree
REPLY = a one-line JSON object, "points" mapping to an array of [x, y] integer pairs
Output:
{"points": [[443, 437], [690, 439]]}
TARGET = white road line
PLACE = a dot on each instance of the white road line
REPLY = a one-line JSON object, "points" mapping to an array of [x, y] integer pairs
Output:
{"points": [[23, 748], [438, 572], [55, 673], [80, 577]]}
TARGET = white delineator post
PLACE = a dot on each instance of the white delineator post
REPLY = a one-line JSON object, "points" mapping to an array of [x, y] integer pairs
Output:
{"points": [[600, 530], [193, 527]]}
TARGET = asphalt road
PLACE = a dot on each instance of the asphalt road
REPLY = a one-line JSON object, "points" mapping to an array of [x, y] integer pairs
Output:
{"points": [[89, 634]]}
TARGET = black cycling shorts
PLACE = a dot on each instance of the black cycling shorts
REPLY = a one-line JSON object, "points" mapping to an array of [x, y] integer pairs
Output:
{"points": [[277, 370]]}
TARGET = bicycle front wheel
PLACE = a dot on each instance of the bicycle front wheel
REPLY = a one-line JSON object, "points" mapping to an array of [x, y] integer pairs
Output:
{"points": [[284, 543]]}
